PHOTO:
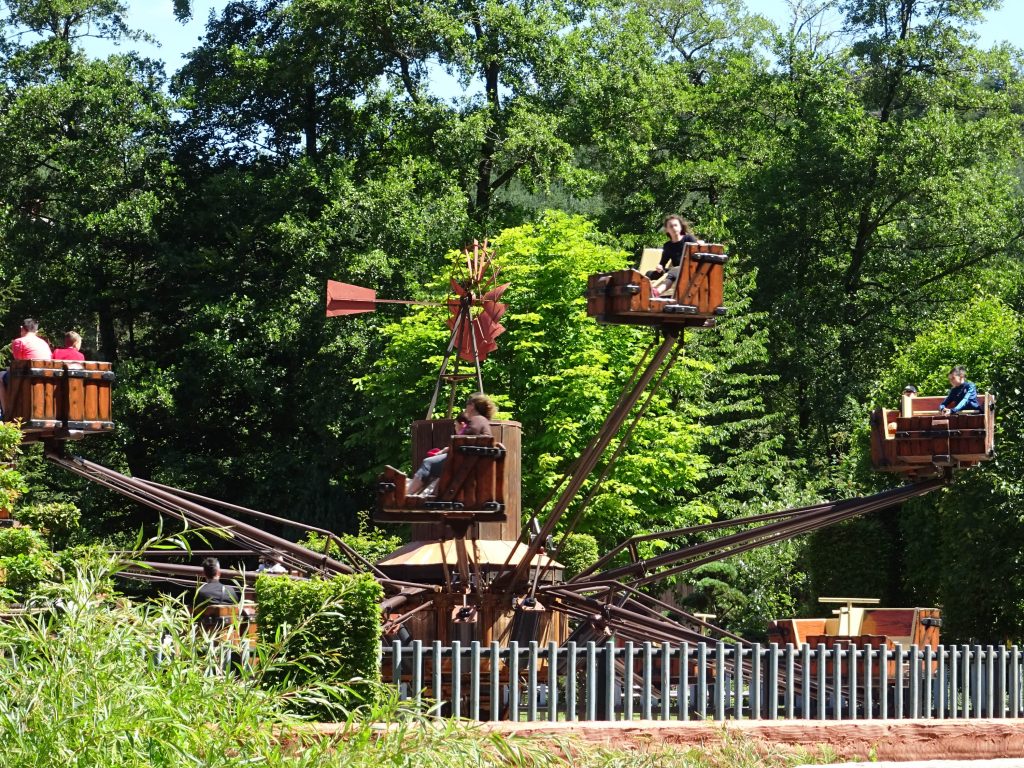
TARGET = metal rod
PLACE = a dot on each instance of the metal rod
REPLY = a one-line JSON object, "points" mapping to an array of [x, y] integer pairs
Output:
{"points": [[588, 461]]}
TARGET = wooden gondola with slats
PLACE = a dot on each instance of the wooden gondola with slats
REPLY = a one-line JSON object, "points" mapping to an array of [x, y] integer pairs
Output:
{"points": [[919, 440], [626, 296], [59, 399]]}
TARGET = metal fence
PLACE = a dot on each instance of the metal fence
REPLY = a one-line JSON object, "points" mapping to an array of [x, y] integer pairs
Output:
{"points": [[688, 681]]}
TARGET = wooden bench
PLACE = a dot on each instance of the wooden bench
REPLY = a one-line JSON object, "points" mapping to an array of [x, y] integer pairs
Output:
{"points": [[471, 486]]}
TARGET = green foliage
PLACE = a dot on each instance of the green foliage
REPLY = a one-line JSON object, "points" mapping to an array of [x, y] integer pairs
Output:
{"points": [[578, 552], [330, 629], [57, 520], [372, 543], [25, 562]]}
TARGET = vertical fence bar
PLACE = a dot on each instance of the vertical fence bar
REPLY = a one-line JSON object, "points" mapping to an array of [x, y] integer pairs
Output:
{"points": [[897, 692], [1001, 683], [967, 694], [929, 682], [954, 682], [869, 680], [738, 652], [513, 681], [666, 680], [883, 682], [532, 691], [914, 665], [417, 671], [837, 682], [822, 690], [495, 681], [553, 681], [702, 680], [609, 687], [851, 681], [627, 681], [570, 683], [1014, 681], [645, 696], [684, 681], [474, 680], [790, 686], [977, 692], [805, 681], [773, 681], [990, 675], [396, 664], [940, 686], [456, 679], [755, 682], [438, 690], [720, 682], [591, 698]]}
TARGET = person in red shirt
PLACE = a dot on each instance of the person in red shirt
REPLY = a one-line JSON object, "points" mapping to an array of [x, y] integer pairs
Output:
{"points": [[71, 349], [28, 346]]}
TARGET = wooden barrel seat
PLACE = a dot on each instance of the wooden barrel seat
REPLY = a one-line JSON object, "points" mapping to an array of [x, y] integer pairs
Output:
{"points": [[921, 439], [60, 399], [695, 299], [471, 486]]}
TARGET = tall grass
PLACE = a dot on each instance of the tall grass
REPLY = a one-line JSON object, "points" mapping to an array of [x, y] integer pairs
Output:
{"points": [[88, 680]]}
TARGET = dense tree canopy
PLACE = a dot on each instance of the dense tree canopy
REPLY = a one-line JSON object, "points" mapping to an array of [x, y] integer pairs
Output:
{"points": [[866, 180]]}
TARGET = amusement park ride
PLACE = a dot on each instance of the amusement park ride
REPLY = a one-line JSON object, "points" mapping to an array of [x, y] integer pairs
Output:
{"points": [[472, 570]]}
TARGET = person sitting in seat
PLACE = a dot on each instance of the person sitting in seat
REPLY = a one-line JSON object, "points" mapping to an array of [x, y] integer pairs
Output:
{"points": [[28, 346], [667, 271], [71, 349], [272, 564], [213, 592], [963, 395], [478, 412]]}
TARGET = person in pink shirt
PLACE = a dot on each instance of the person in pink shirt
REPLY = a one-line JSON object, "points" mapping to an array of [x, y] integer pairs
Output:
{"points": [[71, 349], [28, 346]]}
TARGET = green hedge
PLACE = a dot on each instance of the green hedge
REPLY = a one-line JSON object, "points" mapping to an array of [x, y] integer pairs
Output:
{"points": [[330, 629]]}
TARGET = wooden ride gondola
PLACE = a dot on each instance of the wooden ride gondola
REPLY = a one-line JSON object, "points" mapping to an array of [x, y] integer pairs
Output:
{"points": [[60, 399], [917, 440], [695, 300]]}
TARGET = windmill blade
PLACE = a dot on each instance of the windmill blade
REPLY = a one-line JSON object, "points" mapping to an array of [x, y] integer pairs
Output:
{"points": [[495, 293], [346, 299]]}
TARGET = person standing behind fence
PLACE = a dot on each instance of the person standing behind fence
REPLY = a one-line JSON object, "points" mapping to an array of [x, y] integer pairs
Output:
{"points": [[28, 346], [71, 349]]}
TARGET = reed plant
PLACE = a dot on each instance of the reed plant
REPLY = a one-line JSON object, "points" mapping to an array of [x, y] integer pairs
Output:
{"points": [[92, 680]]}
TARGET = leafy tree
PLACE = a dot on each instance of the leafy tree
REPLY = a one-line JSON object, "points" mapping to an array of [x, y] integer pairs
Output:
{"points": [[875, 178]]}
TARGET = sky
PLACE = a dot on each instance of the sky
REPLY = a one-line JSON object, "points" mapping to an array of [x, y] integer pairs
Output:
{"points": [[176, 39]]}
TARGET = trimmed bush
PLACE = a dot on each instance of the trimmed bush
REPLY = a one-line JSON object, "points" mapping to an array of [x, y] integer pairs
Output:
{"points": [[329, 629]]}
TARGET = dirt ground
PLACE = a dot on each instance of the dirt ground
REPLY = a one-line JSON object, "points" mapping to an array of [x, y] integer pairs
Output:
{"points": [[902, 740]]}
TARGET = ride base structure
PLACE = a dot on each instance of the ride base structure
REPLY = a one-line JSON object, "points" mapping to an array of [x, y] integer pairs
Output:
{"points": [[472, 571]]}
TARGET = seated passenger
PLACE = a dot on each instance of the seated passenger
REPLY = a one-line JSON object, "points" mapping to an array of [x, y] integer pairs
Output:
{"points": [[213, 592], [28, 346], [71, 349], [962, 396], [478, 412], [667, 271]]}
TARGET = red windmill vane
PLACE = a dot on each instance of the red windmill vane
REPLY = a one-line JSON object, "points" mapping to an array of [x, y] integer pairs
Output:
{"points": [[474, 307]]}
